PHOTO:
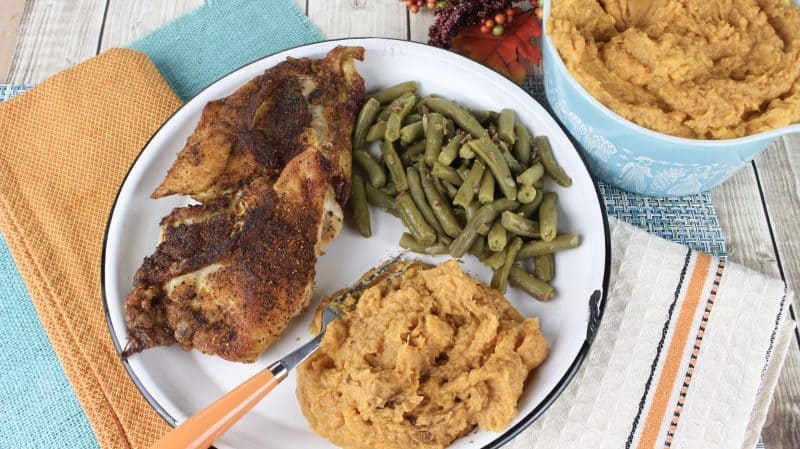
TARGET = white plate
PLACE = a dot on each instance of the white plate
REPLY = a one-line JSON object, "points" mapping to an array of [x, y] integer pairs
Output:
{"points": [[178, 384]]}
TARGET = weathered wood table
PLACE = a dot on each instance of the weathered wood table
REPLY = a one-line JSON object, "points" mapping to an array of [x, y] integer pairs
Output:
{"points": [[759, 208]]}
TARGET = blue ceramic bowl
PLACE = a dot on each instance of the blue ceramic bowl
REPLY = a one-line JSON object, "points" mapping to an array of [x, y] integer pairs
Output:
{"points": [[635, 158]]}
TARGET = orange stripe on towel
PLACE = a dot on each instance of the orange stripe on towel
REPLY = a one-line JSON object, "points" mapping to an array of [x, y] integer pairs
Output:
{"points": [[669, 372]]}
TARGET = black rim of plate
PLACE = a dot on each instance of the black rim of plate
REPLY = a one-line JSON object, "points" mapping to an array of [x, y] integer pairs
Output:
{"points": [[509, 433]]}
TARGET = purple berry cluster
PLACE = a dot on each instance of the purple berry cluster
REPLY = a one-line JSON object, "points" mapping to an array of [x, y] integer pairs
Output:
{"points": [[456, 15]]}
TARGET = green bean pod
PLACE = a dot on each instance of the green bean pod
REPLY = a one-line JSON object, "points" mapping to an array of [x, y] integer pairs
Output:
{"points": [[371, 167], [545, 152], [536, 288], [434, 134], [548, 217], [407, 241], [544, 267], [500, 278], [519, 225], [496, 259], [540, 247], [400, 108], [389, 189], [463, 171], [441, 207], [484, 116], [412, 217], [485, 215], [531, 175], [412, 118], [486, 191], [412, 153], [494, 159], [390, 93], [379, 199], [411, 133], [365, 119], [479, 249], [459, 115], [466, 193], [497, 237], [505, 126], [527, 210], [450, 189], [450, 151], [394, 165], [513, 164], [526, 194], [446, 173], [418, 195], [376, 132], [358, 206], [465, 152], [522, 147]]}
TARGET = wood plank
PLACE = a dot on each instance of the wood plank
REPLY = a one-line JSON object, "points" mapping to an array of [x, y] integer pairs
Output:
{"points": [[9, 28], [356, 18], [418, 25], [777, 170], [127, 20], [782, 428], [55, 35]]}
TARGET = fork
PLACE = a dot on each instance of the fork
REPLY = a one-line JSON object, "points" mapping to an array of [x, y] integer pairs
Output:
{"points": [[201, 430]]}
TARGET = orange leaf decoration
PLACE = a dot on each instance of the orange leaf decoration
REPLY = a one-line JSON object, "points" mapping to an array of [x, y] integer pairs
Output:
{"points": [[505, 53]]}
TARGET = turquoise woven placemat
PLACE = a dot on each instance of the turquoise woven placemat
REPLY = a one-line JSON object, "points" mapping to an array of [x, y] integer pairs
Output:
{"points": [[40, 409]]}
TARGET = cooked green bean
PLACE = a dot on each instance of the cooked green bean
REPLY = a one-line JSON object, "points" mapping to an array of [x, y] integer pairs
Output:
{"points": [[449, 129], [544, 267], [493, 158], [412, 217], [485, 215], [394, 165], [412, 153], [371, 167], [530, 284], [519, 225], [500, 278], [497, 237], [496, 259], [441, 207], [527, 210], [484, 116], [472, 210], [522, 147], [479, 249], [461, 215], [364, 121], [411, 133], [445, 239], [548, 217], [505, 126], [390, 93], [407, 241], [384, 114], [486, 191], [450, 151], [526, 194], [513, 164], [376, 132], [446, 173], [545, 152], [389, 189], [358, 206], [531, 175], [418, 195], [379, 199], [457, 114], [400, 108], [450, 189], [463, 171], [434, 135], [539, 185], [539, 247], [465, 152], [412, 118], [466, 193]]}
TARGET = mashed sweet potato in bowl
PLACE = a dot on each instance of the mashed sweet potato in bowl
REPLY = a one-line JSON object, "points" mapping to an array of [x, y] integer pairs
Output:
{"points": [[671, 97]]}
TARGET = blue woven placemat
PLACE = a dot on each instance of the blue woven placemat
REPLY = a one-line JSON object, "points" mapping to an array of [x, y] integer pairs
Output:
{"points": [[40, 410]]}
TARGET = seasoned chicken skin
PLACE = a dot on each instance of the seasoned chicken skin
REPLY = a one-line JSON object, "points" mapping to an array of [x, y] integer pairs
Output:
{"points": [[270, 167]]}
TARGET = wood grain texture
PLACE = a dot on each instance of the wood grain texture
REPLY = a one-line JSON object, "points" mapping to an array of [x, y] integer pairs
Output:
{"points": [[359, 18], [418, 25], [782, 428], [9, 28], [127, 20], [54, 35]]}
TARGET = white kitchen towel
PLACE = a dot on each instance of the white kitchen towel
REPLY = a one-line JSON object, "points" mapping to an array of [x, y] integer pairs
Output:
{"points": [[687, 355]]}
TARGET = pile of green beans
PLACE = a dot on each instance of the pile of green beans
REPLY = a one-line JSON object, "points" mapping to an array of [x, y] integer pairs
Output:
{"points": [[462, 181]]}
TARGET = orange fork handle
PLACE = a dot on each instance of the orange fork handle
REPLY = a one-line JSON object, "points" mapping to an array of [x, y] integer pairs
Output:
{"points": [[201, 430]]}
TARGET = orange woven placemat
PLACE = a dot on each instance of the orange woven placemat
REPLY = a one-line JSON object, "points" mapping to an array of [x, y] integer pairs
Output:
{"points": [[65, 150]]}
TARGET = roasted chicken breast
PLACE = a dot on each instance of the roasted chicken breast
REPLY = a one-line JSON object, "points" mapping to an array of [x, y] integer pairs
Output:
{"points": [[270, 168]]}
